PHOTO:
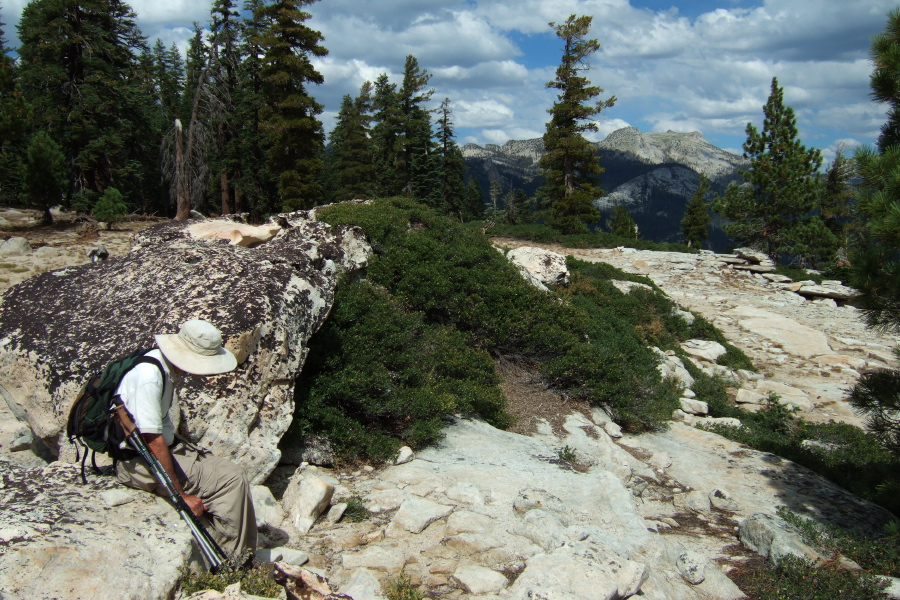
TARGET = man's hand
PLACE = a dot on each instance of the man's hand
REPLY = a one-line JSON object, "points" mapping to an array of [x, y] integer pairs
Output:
{"points": [[194, 503]]}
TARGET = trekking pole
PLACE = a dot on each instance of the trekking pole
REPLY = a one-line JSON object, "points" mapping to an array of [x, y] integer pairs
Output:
{"points": [[211, 550]]}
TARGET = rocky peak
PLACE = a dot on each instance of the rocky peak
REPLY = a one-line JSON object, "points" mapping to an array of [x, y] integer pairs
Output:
{"points": [[688, 149]]}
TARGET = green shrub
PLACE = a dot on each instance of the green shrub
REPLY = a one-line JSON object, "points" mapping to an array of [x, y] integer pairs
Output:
{"points": [[402, 589], [378, 375], [413, 342], [110, 208], [798, 273], [878, 554], [356, 510], [851, 457], [256, 582], [798, 579]]}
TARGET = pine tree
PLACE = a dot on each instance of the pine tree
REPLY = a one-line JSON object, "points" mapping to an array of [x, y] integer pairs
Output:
{"points": [[452, 167], [696, 219], [351, 147], [225, 60], [622, 224], [80, 71], [876, 260], [289, 115], [416, 145], [836, 204], [885, 79], [255, 186], [15, 123], [110, 208], [780, 189], [474, 201], [45, 174], [570, 163], [387, 137]]}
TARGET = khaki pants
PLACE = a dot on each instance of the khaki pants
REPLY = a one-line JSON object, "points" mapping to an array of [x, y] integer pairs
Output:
{"points": [[219, 483]]}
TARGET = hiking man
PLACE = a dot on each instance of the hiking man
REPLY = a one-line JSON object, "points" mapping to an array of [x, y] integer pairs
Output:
{"points": [[215, 489]]}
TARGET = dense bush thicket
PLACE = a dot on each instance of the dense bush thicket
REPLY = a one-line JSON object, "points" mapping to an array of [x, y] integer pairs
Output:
{"points": [[547, 235], [414, 341]]}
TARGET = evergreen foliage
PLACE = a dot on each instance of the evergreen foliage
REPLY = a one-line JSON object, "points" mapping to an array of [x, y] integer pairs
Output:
{"points": [[80, 71], [224, 65], [877, 396], [876, 260], [387, 136], [110, 208], [695, 223], [885, 79], [838, 196], [45, 174], [781, 188], [351, 148], [570, 164], [621, 223], [254, 183], [416, 145], [438, 301], [451, 191], [289, 115], [15, 124]]}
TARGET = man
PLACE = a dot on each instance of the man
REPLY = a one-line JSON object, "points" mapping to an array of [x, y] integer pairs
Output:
{"points": [[215, 489]]}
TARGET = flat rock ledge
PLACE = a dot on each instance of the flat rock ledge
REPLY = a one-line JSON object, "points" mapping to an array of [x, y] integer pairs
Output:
{"points": [[60, 539]]}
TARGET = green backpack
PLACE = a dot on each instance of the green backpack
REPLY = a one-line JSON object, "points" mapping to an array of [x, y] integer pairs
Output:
{"points": [[91, 420]]}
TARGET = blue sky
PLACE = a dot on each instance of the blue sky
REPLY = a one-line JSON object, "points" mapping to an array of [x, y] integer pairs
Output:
{"points": [[703, 65]]}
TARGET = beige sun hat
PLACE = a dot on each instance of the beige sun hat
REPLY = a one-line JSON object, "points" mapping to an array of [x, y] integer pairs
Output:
{"points": [[197, 349]]}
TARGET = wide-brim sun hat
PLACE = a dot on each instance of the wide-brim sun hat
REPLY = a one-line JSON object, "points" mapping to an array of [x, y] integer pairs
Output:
{"points": [[197, 349]]}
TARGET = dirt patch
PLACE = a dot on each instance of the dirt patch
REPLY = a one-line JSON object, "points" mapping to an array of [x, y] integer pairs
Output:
{"points": [[71, 237], [530, 401]]}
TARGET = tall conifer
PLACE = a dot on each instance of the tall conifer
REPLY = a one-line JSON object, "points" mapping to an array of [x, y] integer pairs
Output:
{"points": [[81, 72], [451, 192], [695, 224], [387, 137], [570, 163], [351, 147], [780, 189], [290, 113]]}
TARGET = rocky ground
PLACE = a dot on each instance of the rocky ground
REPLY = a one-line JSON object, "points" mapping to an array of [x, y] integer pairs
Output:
{"points": [[811, 351], [564, 506]]}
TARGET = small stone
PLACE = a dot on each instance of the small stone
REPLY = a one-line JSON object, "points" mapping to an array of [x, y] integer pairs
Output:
{"points": [[404, 456], [694, 407], [117, 497], [368, 469], [479, 580], [336, 512], [613, 430], [692, 567]]}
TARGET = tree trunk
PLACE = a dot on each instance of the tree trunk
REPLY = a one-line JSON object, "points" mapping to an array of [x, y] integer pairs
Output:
{"points": [[182, 195], [238, 200], [223, 182]]}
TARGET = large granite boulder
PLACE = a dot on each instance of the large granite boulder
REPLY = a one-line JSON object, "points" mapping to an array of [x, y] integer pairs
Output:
{"points": [[267, 300]]}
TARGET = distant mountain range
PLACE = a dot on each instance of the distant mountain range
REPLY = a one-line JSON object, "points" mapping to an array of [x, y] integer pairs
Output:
{"points": [[652, 174]]}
